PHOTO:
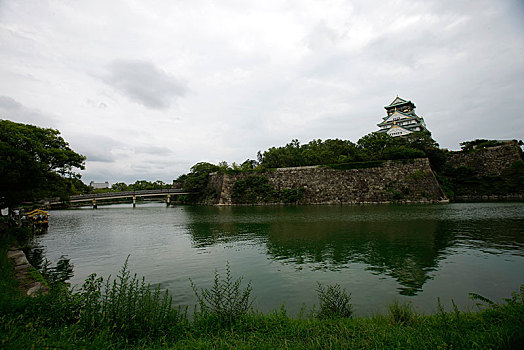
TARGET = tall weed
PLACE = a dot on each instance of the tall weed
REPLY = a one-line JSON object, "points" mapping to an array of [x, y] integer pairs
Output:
{"points": [[226, 299], [401, 314], [334, 301], [127, 306]]}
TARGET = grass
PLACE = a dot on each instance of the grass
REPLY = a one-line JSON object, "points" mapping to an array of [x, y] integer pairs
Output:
{"points": [[126, 312]]}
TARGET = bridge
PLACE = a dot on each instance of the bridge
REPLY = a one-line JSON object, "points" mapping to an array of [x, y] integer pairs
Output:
{"points": [[94, 197]]}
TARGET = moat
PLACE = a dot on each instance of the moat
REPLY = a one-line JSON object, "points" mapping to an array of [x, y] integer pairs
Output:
{"points": [[379, 253]]}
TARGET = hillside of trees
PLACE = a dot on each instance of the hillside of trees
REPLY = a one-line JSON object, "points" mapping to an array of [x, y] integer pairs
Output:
{"points": [[369, 150]]}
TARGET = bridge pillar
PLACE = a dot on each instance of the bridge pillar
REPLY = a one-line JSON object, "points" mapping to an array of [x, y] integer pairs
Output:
{"points": [[94, 203], [168, 200], [134, 202]]}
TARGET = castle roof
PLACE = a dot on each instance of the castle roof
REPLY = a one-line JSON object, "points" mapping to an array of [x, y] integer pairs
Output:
{"points": [[405, 115], [398, 102]]}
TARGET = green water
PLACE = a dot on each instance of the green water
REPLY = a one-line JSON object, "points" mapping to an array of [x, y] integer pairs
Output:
{"points": [[379, 253]]}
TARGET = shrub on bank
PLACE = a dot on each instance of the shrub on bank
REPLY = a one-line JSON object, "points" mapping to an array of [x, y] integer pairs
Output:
{"points": [[226, 300], [334, 301], [127, 306], [255, 189]]}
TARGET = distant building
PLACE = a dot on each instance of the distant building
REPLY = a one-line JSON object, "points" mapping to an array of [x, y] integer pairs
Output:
{"points": [[96, 185], [401, 119]]}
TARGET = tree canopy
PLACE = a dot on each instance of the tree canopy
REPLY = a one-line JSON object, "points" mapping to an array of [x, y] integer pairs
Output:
{"points": [[34, 163], [374, 146]]}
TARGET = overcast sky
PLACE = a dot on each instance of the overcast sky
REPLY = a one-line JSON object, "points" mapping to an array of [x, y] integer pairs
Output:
{"points": [[146, 89]]}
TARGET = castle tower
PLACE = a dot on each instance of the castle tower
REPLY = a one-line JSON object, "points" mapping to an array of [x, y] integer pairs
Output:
{"points": [[401, 119]]}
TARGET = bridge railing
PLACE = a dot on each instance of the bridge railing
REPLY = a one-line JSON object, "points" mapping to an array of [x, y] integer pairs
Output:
{"points": [[127, 193]]}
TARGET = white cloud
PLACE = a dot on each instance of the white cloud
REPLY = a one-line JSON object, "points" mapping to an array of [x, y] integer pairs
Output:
{"points": [[144, 83]]}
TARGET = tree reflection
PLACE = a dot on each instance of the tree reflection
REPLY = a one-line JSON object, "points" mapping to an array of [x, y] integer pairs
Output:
{"points": [[407, 251], [405, 243]]}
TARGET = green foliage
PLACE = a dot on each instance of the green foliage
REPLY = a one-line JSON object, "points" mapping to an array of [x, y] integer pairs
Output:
{"points": [[127, 306], [226, 299], [334, 301], [35, 163], [119, 187], [196, 181], [402, 152], [74, 186], [469, 146], [467, 181], [60, 273], [141, 185], [315, 152], [249, 164], [401, 314], [424, 142], [374, 146], [256, 189], [482, 299], [417, 175], [291, 195], [253, 189]]}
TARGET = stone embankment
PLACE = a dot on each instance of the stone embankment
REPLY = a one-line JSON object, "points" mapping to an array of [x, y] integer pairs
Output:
{"points": [[25, 273], [407, 181], [490, 161], [494, 173]]}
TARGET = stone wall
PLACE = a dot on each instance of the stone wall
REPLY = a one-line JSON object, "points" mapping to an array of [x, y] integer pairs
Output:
{"points": [[490, 174], [394, 181], [487, 161], [24, 272]]}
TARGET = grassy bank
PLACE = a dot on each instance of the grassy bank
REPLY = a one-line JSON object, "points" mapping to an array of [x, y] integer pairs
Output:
{"points": [[126, 312]]}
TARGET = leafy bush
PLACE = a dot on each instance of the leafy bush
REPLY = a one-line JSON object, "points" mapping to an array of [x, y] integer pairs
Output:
{"points": [[334, 302], [226, 299], [253, 189], [402, 152], [467, 181], [291, 195], [127, 306], [196, 181], [256, 189]]}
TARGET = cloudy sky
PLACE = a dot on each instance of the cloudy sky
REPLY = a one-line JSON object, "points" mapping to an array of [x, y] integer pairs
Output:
{"points": [[145, 89]]}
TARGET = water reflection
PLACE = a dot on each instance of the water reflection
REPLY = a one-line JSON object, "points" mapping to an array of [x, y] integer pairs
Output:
{"points": [[405, 243]]}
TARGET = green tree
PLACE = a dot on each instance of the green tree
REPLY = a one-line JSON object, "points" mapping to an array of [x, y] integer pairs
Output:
{"points": [[423, 141], [249, 164], [119, 187], [374, 145], [159, 184], [35, 163], [288, 156], [196, 180]]}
